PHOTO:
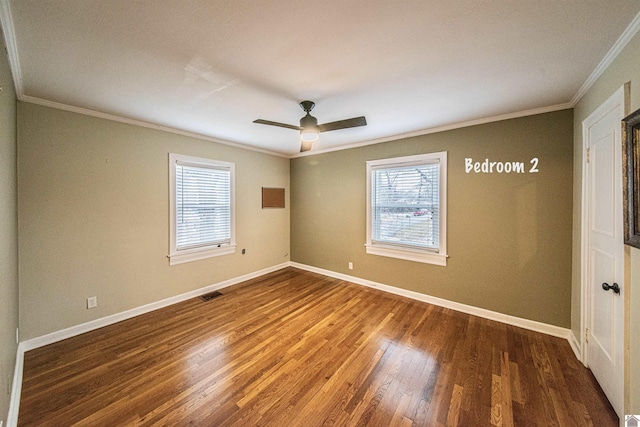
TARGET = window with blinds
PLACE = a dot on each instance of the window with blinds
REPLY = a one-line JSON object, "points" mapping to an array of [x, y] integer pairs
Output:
{"points": [[406, 205], [201, 208]]}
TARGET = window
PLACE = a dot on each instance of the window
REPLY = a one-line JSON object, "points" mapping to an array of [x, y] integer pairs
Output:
{"points": [[406, 208], [201, 215]]}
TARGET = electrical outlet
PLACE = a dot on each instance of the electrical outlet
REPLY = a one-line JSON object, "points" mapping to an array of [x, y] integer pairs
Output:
{"points": [[350, 265], [92, 302]]}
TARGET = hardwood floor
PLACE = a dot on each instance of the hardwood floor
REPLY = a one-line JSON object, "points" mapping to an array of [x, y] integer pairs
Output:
{"points": [[294, 348]]}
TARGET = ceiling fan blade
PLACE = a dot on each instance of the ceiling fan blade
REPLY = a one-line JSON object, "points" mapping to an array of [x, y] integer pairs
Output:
{"points": [[343, 124], [305, 146], [282, 125]]}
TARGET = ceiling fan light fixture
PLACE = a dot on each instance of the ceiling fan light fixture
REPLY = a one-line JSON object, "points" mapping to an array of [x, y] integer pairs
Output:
{"points": [[309, 135]]}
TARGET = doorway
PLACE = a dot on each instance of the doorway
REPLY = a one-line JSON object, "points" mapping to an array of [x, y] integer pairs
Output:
{"points": [[603, 249]]}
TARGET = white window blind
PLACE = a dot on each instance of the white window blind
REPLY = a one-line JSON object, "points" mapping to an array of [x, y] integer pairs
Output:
{"points": [[203, 206], [406, 205]]}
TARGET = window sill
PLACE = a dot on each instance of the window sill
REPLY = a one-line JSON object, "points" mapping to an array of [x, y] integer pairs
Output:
{"points": [[408, 254], [200, 253]]}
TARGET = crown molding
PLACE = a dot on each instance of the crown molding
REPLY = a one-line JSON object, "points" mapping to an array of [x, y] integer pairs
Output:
{"points": [[141, 123], [613, 53], [8, 30], [438, 129]]}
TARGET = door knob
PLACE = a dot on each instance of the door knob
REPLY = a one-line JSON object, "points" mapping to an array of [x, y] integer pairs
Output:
{"points": [[615, 288]]}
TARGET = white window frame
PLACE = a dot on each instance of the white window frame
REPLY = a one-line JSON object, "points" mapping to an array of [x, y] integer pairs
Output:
{"points": [[193, 254], [427, 255]]}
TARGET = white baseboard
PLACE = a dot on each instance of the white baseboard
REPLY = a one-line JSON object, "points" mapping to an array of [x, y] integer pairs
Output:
{"points": [[16, 388], [576, 346], [118, 317], [53, 337], [532, 325]]}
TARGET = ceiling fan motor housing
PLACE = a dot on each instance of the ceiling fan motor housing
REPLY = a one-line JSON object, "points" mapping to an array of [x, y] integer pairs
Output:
{"points": [[308, 121]]}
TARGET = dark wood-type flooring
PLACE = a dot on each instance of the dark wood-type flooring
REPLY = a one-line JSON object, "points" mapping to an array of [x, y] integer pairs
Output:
{"points": [[294, 348]]}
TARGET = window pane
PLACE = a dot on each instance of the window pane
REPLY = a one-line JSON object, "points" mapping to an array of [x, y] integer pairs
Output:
{"points": [[405, 205], [203, 206]]}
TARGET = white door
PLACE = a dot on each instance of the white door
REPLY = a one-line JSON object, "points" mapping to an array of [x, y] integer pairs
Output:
{"points": [[604, 267]]}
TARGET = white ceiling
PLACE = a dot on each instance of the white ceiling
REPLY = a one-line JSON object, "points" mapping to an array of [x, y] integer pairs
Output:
{"points": [[211, 67]]}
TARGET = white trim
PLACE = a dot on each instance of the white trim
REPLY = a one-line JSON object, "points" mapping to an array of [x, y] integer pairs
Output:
{"points": [[407, 254], [6, 19], [200, 253], [584, 239], [614, 101], [531, 325], [149, 125], [443, 128], [141, 123], [182, 256], [16, 388], [613, 53], [437, 256], [118, 317], [609, 104], [575, 345]]}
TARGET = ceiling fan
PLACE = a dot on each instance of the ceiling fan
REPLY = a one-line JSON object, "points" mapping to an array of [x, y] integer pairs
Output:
{"points": [[309, 127]]}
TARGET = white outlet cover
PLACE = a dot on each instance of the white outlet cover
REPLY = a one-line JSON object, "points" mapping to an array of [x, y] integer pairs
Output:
{"points": [[92, 302]]}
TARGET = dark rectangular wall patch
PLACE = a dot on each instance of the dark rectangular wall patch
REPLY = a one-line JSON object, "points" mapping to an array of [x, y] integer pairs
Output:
{"points": [[272, 197]]}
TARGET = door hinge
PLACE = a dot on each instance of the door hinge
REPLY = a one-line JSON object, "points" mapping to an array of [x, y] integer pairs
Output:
{"points": [[586, 335], [588, 156]]}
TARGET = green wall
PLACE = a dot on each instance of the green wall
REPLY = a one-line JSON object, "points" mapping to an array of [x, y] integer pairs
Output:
{"points": [[93, 204], [624, 69], [8, 233], [509, 235]]}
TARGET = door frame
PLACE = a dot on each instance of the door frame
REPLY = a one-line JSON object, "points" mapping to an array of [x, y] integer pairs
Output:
{"points": [[619, 97]]}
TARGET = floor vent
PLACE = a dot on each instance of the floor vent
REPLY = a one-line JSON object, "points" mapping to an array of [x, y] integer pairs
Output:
{"points": [[210, 296]]}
